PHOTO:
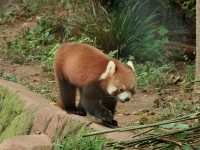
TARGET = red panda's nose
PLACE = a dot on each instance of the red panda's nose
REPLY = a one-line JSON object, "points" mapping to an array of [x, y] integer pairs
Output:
{"points": [[124, 96], [127, 99]]}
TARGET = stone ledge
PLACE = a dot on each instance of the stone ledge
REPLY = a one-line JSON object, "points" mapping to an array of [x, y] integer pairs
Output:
{"points": [[51, 120], [27, 142]]}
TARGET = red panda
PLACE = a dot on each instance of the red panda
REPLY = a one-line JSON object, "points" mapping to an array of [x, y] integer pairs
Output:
{"points": [[101, 81]]}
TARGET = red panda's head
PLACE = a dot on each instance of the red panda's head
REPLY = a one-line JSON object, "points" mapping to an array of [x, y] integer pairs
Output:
{"points": [[119, 80]]}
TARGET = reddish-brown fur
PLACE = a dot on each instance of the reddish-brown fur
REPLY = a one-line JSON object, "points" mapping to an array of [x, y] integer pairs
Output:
{"points": [[80, 63], [80, 66]]}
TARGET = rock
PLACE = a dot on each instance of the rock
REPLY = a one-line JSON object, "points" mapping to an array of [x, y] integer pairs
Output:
{"points": [[27, 142], [53, 121]]}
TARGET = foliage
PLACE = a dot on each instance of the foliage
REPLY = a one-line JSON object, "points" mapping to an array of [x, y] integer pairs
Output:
{"points": [[188, 6], [39, 43], [176, 108], [168, 134], [78, 142], [26, 9], [13, 119], [7, 16], [189, 73], [189, 78], [159, 76], [92, 21], [150, 74], [9, 77], [33, 45], [137, 34], [20, 125], [131, 33]]}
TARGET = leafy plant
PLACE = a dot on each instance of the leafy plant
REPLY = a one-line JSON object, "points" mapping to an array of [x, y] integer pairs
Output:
{"points": [[189, 6], [150, 74], [48, 59], [9, 77], [137, 34], [7, 16], [39, 43], [34, 44], [78, 142]]}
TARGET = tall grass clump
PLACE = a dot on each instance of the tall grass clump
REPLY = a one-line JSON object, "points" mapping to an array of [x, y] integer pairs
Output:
{"points": [[137, 34]]}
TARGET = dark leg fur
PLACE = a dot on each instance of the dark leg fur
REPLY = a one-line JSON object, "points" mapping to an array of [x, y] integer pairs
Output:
{"points": [[110, 103], [94, 108], [92, 98], [67, 95], [80, 110]]}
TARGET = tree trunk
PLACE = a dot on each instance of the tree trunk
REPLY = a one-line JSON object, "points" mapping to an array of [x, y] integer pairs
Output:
{"points": [[197, 74]]}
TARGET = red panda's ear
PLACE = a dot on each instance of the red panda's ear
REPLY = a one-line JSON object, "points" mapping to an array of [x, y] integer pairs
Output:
{"points": [[130, 64], [110, 70]]}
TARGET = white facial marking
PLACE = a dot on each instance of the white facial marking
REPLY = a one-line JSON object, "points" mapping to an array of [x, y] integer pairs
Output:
{"points": [[110, 70], [123, 96], [130, 64], [111, 89]]}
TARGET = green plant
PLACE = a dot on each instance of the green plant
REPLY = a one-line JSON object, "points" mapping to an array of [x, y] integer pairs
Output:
{"points": [[48, 59], [13, 119], [177, 108], [189, 73], [189, 78], [78, 142], [189, 6], [150, 74], [34, 44], [7, 16], [39, 43], [90, 21], [137, 34], [9, 77]]}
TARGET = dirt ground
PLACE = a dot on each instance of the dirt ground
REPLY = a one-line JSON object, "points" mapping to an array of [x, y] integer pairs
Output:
{"points": [[140, 109]]}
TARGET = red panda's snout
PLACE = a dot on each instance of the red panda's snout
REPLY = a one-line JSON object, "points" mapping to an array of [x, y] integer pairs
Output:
{"points": [[119, 81], [124, 96], [121, 94]]}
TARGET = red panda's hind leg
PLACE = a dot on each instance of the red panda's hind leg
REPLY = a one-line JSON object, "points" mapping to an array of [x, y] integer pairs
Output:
{"points": [[67, 95]]}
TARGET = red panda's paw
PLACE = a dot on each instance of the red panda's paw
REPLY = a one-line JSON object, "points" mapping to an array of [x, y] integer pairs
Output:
{"points": [[112, 124], [77, 112], [115, 123], [80, 113]]}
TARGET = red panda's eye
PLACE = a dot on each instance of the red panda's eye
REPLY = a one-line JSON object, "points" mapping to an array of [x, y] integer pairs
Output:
{"points": [[120, 90]]}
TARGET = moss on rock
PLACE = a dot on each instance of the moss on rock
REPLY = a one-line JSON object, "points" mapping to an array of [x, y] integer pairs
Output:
{"points": [[14, 120]]}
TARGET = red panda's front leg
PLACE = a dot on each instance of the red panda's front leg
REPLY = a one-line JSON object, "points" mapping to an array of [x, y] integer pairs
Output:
{"points": [[92, 98], [95, 108]]}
